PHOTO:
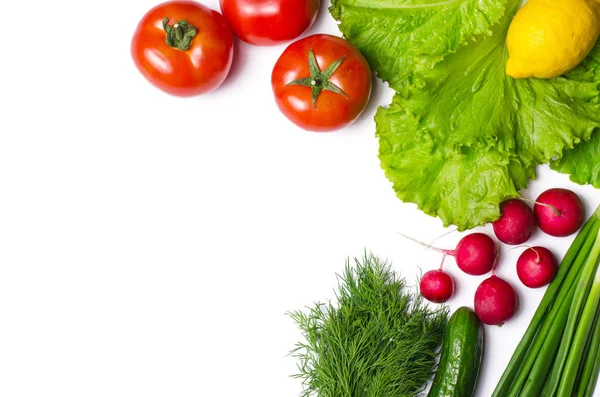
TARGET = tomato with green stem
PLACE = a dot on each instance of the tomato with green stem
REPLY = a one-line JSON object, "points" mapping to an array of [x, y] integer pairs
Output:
{"points": [[184, 48], [321, 83]]}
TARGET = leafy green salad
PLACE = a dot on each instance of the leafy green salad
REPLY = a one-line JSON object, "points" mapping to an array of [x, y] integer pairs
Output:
{"points": [[460, 136]]}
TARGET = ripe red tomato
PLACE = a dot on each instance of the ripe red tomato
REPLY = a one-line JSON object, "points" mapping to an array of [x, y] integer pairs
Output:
{"points": [[183, 48], [321, 83], [267, 22]]}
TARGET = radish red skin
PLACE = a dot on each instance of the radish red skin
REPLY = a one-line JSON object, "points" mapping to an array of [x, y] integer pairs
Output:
{"points": [[476, 254], [516, 224], [495, 301], [536, 267], [437, 286], [559, 212]]}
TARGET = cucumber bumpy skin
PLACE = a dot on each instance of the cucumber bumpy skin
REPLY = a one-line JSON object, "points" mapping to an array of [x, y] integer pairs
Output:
{"points": [[462, 352]]}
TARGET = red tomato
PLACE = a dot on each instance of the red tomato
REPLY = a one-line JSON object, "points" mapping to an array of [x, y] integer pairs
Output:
{"points": [[321, 83], [183, 48], [267, 22]]}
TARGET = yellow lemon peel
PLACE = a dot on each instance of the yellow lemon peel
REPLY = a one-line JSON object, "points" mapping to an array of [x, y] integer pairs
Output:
{"points": [[548, 38]]}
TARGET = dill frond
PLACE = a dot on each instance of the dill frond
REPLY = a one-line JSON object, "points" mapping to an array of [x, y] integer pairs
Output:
{"points": [[379, 340]]}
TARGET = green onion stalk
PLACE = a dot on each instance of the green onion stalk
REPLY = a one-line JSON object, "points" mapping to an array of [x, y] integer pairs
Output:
{"points": [[559, 354]]}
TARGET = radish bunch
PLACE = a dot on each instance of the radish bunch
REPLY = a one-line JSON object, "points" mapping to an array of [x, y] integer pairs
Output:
{"points": [[476, 254], [556, 212]]}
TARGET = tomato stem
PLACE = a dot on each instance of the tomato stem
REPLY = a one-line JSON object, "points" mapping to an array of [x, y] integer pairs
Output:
{"points": [[179, 35], [319, 80]]}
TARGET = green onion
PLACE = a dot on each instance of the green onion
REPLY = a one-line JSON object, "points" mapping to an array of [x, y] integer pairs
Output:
{"points": [[589, 372], [586, 323], [584, 286], [550, 341], [559, 354]]}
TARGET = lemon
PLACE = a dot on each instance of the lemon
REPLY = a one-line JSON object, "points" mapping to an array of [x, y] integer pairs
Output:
{"points": [[548, 38]]}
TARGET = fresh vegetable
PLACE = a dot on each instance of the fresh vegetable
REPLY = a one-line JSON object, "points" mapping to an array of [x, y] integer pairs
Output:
{"points": [[536, 267], [558, 354], [460, 136], [559, 212], [183, 48], [475, 253], [516, 223], [462, 352], [321, 83], [437, 286], [398, 37], [495, 301], [548, 38], [269, 22], [380, 339], [581, 162]]}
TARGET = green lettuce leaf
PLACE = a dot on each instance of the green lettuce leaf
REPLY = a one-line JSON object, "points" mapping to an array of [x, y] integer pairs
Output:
{"points": [[460, 138], [582, 162], [396, 35]]}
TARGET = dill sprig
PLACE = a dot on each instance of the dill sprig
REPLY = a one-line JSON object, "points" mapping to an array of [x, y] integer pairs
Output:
{"points": [[379, 340]]}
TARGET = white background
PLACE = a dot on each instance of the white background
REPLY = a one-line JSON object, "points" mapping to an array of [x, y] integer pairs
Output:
{"points": [[151, 245]]}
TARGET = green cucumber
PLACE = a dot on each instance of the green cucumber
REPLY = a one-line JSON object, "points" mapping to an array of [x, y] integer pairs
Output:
{"points": [[462, 352]]}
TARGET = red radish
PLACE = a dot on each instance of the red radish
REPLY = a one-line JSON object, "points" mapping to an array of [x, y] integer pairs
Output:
{"points": [[475, 254], [536, 267], [559, 212], [516, 224], [437, 285], [495, 301]]}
